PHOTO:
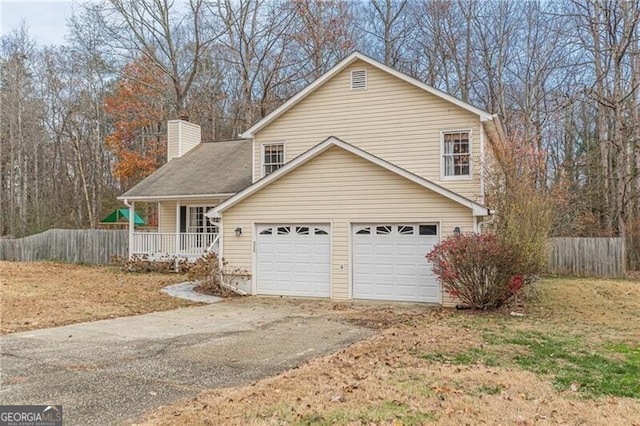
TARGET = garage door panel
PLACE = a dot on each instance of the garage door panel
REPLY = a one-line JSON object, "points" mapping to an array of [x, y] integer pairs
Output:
{"points": [[390, 264], [284, 268], [320, 249], [431, 293], [409, 249], [324, 271], [302, 267], [283, 249], [293, 260], [302, 250], [406, 271], [381, 249], [406, 291]]}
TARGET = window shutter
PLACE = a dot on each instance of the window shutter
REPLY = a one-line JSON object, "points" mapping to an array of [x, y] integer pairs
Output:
{"points": [[359, 80]]}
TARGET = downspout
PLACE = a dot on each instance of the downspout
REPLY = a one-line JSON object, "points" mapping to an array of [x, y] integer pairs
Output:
{"points": [[217, 239], [131, 224]]}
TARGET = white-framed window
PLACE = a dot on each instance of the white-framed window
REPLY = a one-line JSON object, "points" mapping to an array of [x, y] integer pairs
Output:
{"points": [[456, 154], [272, 157], [359, 79], [197, 222]]}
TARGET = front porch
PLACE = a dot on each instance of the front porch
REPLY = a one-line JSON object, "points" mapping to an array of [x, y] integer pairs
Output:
{"points": [[156, 245]]}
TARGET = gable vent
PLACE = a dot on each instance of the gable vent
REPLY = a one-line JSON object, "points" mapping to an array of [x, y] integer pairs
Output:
{"points": [[359, 80]]}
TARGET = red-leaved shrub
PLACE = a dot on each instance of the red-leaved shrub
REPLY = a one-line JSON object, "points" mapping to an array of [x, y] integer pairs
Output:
{"points": [[478, 269]]}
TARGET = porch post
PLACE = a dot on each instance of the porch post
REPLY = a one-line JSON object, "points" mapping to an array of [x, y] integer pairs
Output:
{"points": [[177, 247], [132, 213]]}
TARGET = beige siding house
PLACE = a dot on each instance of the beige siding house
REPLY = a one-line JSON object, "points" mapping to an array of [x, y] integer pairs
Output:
{"points": [[351, 182]]}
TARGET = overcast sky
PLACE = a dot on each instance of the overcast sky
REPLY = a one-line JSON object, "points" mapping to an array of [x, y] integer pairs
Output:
{"points": [[45, 18]]}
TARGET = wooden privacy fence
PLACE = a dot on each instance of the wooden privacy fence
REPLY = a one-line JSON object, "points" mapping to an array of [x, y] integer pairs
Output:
{"points": [[592, 257], [92, 246]]}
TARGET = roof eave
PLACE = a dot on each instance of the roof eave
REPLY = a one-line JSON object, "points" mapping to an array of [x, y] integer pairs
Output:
{"points": [[152, 198]]}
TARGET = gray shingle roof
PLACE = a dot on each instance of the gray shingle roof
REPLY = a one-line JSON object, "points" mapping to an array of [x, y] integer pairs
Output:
{"points": [[210, 168]]}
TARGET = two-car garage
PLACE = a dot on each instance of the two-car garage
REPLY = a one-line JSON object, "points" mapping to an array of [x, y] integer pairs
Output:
{"points": [[337, 222], [387, 261]]}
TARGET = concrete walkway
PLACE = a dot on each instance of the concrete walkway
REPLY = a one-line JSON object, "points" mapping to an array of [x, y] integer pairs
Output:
{"points": [[186, 291], [112, 371]]}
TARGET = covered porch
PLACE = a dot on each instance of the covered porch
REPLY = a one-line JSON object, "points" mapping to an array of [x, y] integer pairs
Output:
{"points": [[192, 182], [183, 231]]}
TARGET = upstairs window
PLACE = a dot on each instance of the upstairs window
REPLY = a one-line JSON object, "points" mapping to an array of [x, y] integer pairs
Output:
{"points": [[456, 154], [272, 157], [359, 80]]}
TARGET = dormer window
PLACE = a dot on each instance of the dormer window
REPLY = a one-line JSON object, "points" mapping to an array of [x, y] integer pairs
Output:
{"points": [[359, 79], [272, 157], [456, 154]]}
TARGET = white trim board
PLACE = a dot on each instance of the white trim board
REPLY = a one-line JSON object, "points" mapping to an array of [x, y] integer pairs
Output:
{"points": [[250, 133], [478, 209], [176, 197]]}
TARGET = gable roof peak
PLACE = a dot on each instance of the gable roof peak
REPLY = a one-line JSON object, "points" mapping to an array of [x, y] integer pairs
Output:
{"points": [[348, 60]]}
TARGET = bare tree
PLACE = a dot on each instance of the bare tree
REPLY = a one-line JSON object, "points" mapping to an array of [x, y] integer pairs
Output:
{"points": [[324, 33], [609, 31], [21, 136], [175, 41], [255, 44]]}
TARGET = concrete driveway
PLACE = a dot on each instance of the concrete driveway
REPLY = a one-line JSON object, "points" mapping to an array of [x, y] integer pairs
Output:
{"points": [[112, 371]]}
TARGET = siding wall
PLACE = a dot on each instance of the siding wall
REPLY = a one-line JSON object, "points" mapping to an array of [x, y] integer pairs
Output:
{"points": [[340, 188], [167, 216], [392, 119], [182, 137], [167, 220]]}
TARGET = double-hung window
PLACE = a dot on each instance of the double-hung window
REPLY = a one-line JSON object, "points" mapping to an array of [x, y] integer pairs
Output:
{"points": [[272, 157], [456, 154]]}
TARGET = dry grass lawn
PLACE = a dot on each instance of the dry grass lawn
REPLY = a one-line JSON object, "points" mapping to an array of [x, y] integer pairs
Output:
{"points": [[570, 360], [47, 294]]}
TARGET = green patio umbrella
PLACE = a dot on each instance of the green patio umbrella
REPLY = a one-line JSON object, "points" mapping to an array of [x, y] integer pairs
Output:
{"points": [[122, 216]]}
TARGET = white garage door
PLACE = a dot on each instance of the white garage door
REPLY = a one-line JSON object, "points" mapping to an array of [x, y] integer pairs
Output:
{"points": [[293, 260], [389, 262]]}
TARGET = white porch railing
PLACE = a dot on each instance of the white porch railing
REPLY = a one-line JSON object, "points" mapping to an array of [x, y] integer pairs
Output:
{"points": [[188, 245]]}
